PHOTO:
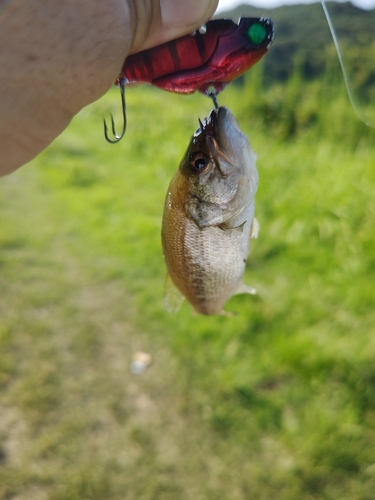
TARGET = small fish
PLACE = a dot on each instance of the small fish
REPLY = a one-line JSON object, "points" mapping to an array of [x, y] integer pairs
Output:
{"points": [[209, 217]]}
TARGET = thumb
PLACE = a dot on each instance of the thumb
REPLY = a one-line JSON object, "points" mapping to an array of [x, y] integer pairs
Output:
{"points": [[169, 19]]}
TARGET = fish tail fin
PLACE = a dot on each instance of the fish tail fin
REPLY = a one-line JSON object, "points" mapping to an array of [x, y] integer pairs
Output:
{"points": [[172, 296]]}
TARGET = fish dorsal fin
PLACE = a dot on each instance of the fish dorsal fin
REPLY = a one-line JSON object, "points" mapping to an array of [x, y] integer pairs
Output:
{"points": [[173, 298], [254, 228]]}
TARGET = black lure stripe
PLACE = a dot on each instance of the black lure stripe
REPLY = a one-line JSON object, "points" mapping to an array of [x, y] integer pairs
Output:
{"points": [[148, 60], [200, 43], [172, 47]]}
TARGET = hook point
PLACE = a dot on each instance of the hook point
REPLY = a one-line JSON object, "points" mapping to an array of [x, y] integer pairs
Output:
{"points": [[123, 104]]}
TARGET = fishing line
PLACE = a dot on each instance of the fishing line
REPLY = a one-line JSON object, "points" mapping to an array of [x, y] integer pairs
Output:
{"points": [[351, 93]]}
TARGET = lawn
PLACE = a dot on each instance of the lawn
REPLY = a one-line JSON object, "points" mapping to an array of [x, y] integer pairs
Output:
{"points": [[276, 402]]}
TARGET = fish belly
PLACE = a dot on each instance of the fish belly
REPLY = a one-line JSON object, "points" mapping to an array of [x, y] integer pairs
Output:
{"points": [[205, 264]]}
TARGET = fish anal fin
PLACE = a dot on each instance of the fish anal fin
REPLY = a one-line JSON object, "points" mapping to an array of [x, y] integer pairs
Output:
{"points": [[228, 314], [254, 228], [173, 298], [242, 288]]}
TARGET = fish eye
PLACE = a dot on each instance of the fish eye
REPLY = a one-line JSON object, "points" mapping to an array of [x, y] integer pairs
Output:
{"points": [[199, 163]]}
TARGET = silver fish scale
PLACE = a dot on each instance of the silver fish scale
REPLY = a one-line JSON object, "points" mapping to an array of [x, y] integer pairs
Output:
{"points": [[217, 262], [207, 264]]}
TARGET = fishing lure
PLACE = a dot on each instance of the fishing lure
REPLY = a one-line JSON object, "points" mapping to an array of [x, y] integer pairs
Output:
{"points": [[206, 61]]}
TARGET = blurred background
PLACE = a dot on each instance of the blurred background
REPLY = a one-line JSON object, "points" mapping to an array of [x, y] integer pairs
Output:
{"points": [[277, 402]]}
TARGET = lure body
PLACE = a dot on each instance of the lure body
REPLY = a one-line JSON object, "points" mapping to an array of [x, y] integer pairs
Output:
{"points": [[207, 61], [209, 217]]}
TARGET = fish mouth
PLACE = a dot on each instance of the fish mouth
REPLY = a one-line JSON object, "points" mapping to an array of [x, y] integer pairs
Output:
{"points": [[218, 125], [226, 126], [221, 133]]}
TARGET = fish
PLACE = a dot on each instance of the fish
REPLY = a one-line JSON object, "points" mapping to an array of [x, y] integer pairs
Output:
{"points": [[209, 217]]}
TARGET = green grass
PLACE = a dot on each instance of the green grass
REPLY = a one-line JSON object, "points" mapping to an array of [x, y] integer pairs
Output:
{"points": [[277, 402]]}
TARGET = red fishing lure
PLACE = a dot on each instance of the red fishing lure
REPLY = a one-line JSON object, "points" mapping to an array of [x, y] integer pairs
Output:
{"points": [[205, 61]]}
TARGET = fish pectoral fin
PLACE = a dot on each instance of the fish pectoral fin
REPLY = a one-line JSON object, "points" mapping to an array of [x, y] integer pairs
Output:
{"points": [[173, 298], [242, 288], [226, 227], [254, 228]]}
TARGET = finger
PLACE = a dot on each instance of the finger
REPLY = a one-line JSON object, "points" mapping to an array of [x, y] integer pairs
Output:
{"points": [[164, 20], [178, 17]]}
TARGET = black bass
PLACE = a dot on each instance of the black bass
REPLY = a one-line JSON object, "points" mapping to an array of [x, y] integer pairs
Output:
{"points": [[209, 217]]}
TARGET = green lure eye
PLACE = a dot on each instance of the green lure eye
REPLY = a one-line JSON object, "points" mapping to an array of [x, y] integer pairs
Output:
{"points": [[257, 33]]}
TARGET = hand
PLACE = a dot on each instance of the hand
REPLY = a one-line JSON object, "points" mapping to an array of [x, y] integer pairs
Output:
{"points": [[58, 56]]}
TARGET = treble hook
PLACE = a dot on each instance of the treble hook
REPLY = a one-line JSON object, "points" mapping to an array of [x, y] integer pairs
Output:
{"points": [[117, 137], [213, 96], [203, 129]]}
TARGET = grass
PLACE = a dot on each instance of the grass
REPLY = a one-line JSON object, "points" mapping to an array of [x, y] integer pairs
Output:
{"points": [[276, 402]]}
